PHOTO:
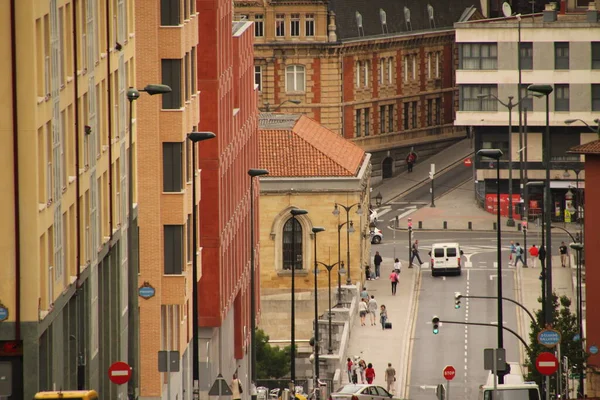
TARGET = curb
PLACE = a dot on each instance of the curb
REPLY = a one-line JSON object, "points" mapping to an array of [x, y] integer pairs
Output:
{"points": [[408, 350]]}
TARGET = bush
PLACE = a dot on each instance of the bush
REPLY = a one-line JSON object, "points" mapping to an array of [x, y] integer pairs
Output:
{"points": [[271, 361]]}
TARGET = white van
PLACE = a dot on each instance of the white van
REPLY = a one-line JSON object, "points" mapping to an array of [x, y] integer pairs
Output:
{"points": [[445, 257], [514, 388]]}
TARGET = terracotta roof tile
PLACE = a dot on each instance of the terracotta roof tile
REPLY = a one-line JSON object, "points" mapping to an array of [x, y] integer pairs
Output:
{"points": [[308, 150], [586, 148]]}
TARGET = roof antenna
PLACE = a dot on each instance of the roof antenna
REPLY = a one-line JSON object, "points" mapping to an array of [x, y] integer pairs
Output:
{"points": [[407, 19], [383, 19], [361, 31], [430, 13]]}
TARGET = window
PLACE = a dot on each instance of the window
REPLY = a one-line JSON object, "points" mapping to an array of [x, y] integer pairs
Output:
{"points": [[358, 68], [169, 12], [367, 122], [190, 245], [171, 75], [390, 69], [561, 55], [186, 9], [382, 120], [595, 55], [294, 78], [259, 25], [258, 77], [562, 141], [491, 142], [478, 56], [469, 100], [428, 65], [186, 70], [561, 97], [173, 237], [438, 111], [429, 112], [188, 159], [405, 115], [526, 54], [292, 244], [172, 167], [366, 73], [309, 25], [295, 25], [381, 70], [437, 65], [391, 118], [414, 114], [358, 123], [596, 97], [280, 25], [526, 97], [414, 67], [194, 63], [406, 72]]}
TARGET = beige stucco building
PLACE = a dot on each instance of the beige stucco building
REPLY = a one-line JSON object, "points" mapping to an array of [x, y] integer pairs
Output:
{"points": [[310, 168]]}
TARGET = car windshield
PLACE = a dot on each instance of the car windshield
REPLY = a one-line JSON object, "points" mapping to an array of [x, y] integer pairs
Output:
{"points": [[349, 389]]}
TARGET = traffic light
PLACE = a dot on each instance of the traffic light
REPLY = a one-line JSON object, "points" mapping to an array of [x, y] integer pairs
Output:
{"points": [[436, 324], [524, 223], [410, 224], [457, 297]]}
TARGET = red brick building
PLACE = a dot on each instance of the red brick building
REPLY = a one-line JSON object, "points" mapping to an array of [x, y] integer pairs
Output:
{"points": [[228, 108]]}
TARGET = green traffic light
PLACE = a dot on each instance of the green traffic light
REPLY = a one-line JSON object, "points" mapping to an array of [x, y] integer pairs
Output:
{"points": [[457, 306], [436, 331]]}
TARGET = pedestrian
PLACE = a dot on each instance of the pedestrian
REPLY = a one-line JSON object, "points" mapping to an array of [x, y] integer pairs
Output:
{"points": [[368, 272], [397, 265], [373, 309], [362, 311], [370, 373], [563, 254], [349, 365], [377, 260], [362, 366], [355, 369], [390, 377], [415, 253], [383, 316], [513, 250], [394, 279], [410, 160], [364, 295], [519, 254], [534, 253], [236, 388]]}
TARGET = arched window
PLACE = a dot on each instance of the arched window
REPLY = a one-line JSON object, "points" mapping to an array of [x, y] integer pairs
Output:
{"points": [[292, 244]]}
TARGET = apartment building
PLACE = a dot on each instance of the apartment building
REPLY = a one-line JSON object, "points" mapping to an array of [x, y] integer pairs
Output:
{"points": [[557, 47], [64, 284], [379, 73], [167, 47], [228, 108]]}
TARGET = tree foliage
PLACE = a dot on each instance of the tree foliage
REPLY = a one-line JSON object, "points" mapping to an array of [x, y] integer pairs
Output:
{"points": [[565, 322], [271, 361]]}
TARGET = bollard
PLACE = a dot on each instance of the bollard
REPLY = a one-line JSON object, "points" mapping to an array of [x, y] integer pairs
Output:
{"points": [[445, 224], [495, 228], [470, 226], [420, 224], [519, 227]]}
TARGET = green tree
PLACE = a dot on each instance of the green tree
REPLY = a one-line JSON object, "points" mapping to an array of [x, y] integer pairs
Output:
{"points": [[271, 361], [565, 322]]}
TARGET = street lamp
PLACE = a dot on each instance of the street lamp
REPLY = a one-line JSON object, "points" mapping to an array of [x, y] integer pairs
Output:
{"points": [[591, 128], [349, 229], [133, 342], [195, 137], [316, 230], [341, 271], [378, 199], [578, 247], [546, 90], [496, 154], [542, 251], [253, 172], [268, 106], [295, 212], [336, 212]]}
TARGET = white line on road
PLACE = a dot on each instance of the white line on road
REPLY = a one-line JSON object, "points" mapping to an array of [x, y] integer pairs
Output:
{"points": [[405, 213], [383, 212]]}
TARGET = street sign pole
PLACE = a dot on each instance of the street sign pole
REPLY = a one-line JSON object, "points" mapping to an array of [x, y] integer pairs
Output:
{"points": [[494, 394], [431, 175]]}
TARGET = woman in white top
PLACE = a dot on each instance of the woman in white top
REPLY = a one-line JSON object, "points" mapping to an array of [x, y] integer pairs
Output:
{"points": [[397, 265], [362, 311]]}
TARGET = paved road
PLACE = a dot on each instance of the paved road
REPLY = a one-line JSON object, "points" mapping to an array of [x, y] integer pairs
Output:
{"points": [[451, 179]]}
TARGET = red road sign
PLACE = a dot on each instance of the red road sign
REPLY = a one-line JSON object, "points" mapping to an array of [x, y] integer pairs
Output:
{"points": [[468, 162], [546, 363], [119, 372], [449, 372]]}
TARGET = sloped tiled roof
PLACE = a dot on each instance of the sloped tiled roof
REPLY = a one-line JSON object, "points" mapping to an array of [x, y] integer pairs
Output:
{"points": [[305, 149], [586, 148]]}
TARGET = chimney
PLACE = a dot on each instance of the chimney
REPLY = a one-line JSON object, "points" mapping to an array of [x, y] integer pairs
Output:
{"points": [[592, 13], [331, 28], [549, 12]]}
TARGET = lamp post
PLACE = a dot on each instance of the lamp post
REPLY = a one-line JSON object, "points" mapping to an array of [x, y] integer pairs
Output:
{"points": [[546, 90], [316, 230], [542, 251], [591, 128], [336, 212], [253, 172], [578, 247], [295, 212], [341, 271], [496, 154], [195, 137], [133, 342], [349, 229], [268, 106]]}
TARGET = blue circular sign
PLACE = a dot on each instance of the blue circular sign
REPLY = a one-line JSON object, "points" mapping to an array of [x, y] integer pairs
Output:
{"points": [[549, 337], [593, 349], [3, 313]]}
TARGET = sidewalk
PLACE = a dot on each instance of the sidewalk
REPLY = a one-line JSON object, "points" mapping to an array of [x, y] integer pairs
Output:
{"points": [[378, 346]]}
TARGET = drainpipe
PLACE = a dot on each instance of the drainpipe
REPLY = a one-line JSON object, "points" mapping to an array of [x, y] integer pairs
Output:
{"points": [[110, 106], [13, 62], [77, 132]]}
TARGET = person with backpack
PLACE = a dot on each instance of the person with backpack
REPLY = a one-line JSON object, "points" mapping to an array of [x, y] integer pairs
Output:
{"points": [[519, 255], [410, 160], [394, 279]]}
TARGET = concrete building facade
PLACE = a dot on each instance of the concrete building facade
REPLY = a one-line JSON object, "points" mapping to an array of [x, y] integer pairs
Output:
{"points": [[64, 283], [228, 108], [311, 168], [167, 46]]}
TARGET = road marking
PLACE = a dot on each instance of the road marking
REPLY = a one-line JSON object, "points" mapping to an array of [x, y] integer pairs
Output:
{"points": [[383, 212], [496, 322], [405, 213]]}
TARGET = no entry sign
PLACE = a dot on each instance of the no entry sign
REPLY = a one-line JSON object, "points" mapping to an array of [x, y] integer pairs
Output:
{"points": [[449, 372], [546, 363], [119, 372], [468, 162]]}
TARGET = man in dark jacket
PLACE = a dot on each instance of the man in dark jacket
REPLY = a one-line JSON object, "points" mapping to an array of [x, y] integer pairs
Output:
{"points": [[377, 261]]}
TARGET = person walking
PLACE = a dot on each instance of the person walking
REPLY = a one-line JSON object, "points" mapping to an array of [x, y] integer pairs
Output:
{"points": [[236, 388], [364, 295], [349, 365], [534, 252], [390, 378], [370, 373], [513, 251], [362, 367], [410, 160], [519, 254], [372, 309], [362, 311], [383, 316], [377, 260], [355, 369], [394, 279], [415, 253], [564, 255], [397, 266]]}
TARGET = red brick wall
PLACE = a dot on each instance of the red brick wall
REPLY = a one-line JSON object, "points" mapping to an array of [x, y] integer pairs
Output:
{"points": [[348, 95], [316, 80], [592, 257]]}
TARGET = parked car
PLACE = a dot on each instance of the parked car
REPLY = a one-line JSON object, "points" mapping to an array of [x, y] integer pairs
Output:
{"points": [[376, 236], [361, 392]]}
